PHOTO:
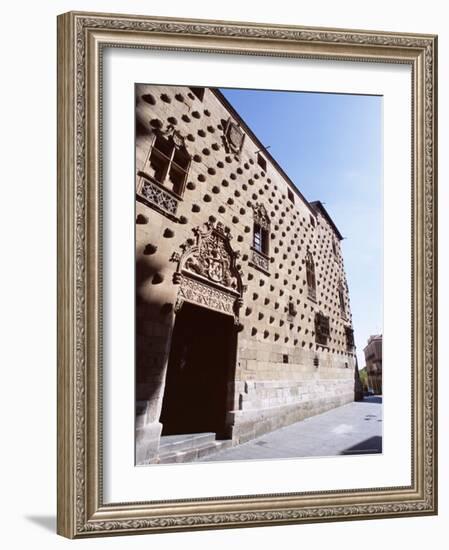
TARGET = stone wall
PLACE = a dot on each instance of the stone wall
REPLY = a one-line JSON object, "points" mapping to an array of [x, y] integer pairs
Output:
{"points": [[282, 375]]}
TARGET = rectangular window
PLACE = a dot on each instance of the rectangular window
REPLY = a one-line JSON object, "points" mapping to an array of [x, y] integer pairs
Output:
{"points": [[178, 170], [322, 329], [260, 239], [257, 238], [312, 221], [163, 146], [265, 238], [334, 248], [261, 162], [158, 165], [169, 165], [341, 299], [291, 196], [349, 333]]}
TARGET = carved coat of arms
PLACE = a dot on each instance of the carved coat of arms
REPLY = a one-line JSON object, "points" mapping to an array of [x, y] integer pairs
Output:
{"points": [[208, 268], [212, 257], [233, 137]]}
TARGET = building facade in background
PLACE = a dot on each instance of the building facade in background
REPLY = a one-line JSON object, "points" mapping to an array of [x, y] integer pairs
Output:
{"points": [[373, 358], [243, 321]]}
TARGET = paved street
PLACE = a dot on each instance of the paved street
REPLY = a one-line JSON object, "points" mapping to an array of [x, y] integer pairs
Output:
{"points": [[355, 428]]}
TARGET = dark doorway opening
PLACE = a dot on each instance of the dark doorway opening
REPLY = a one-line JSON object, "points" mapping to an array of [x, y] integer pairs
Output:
{"points": [[200, 373]]}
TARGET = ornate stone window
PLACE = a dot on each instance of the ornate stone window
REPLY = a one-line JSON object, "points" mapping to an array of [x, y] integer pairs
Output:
{"points": [[168, 162], [164, 174], [341, 300], [310, 275], [349, 333], [322, 330], [261, 236]]}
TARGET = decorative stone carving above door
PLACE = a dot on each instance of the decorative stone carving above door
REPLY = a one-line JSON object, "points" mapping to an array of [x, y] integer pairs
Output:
{"points": [[207, 271]]}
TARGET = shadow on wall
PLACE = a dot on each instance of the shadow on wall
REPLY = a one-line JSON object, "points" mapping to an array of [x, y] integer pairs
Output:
{"points": [[153, 328], [358, 387]]}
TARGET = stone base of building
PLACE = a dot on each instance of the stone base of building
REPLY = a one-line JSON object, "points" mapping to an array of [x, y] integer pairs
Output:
{"points": [[251, 424], [245, 425]]}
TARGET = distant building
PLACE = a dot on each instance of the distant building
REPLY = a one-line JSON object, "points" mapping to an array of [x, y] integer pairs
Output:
{"points": [[373, 358], [243, 321]]}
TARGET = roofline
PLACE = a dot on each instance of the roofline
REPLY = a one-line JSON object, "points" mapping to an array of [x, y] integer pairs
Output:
{"points": [[272, 160], [319, 206], [371, 339]]}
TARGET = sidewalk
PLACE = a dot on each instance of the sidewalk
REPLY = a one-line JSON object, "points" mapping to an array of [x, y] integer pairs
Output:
{"points": [[355, 428]]}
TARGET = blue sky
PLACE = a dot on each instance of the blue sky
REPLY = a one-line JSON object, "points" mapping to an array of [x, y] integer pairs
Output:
{"points": [[330, 145]]}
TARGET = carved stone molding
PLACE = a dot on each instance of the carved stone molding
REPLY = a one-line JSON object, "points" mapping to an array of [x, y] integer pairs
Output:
{"points": [[260, 261], [207, 272], [158, 197], [349, 334], [261, 217], [175, 136], [197, 292]]}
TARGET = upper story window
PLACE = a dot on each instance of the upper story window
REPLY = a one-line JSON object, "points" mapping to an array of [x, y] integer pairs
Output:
{"points": [[261, 238], [310, 275], [168, 162], [334, 248], [261, 162], [162, 178], [341, 299], [261, 229], [349, 333], [291, 196], [312, 221], [322, 329]]}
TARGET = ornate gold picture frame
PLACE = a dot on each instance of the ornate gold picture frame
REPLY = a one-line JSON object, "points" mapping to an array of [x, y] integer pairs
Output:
{"points": [[82, 508]]}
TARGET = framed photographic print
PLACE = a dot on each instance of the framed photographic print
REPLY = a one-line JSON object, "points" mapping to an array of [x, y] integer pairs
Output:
{"points": [[246, 274]]}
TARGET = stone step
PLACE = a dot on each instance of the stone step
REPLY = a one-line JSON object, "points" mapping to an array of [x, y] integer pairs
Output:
{"points": [[193, 454], [184, 442]]}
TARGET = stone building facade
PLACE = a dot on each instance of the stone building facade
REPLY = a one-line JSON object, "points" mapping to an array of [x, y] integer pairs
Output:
{"points": [[373, 358], [243, 321]]}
